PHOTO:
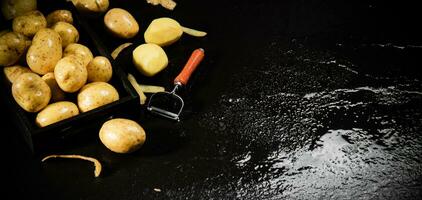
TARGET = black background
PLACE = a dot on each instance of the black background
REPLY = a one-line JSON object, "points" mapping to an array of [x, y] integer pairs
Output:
{"points": [[196, 158]]}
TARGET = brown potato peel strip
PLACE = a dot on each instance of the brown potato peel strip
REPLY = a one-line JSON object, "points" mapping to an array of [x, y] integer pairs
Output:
{"points": [[97, 163], [168, 4]]}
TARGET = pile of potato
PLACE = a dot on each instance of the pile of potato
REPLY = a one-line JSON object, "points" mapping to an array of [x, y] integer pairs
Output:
{"points": [[57, 65]]}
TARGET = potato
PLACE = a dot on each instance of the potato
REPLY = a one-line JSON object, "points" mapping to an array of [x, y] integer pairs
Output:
{"points": [[121, 23], [14, 8], [163, 31], [4, 32], [149, 59], [80, 51], [13, 72], [91, 6], [122, 135], [12, 47], [119, 49], [31, 92], [59, 16], [67, 32], [45, 51], [70, 74], [96, 94], [29, 23], [57, 94], [99, 70], [56, 112]]}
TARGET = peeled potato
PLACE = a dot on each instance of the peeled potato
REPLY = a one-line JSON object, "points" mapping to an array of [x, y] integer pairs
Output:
{"points": [[96, 94], [70, 74], [149, 59], [31, 92], [122, 135], [99, 70], [56, 112], [163, 31], [57, 94], [67, 32], [121, 23]]}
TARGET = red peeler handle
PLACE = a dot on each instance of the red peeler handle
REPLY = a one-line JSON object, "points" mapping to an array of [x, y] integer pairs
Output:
{"points": [[190, 67]]}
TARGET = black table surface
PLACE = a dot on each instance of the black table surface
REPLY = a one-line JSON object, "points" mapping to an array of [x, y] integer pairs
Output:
{"points": [[294, 100]]}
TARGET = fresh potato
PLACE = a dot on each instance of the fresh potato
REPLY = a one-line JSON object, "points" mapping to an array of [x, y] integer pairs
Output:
{"points": [[121, 23], [45, 51], [29, 23], [56, 112], [91, 6], [122, 135], [12, 47], [96, 94], [70, 74], [149, 59], [4, 32], [163, 31], [80, 51], [57, 94], [67, 32], [119, 49], [31, 92], [14, 8], [13, 72], [59, 16], [99, 70]]}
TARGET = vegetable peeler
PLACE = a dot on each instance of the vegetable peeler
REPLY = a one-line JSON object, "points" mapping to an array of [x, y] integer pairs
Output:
{"points": [[169, 104]]}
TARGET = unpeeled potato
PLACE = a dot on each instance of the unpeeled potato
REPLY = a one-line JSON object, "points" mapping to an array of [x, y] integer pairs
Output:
{"points": [[45, 51], [13, 72], [14, 8], [96, 94], [91, 6], [80, 51], [70, 74], [121, 23], [12, 47], [67, 32], [99, 70], [31, 92], [56, 112], [57, 94], [149, 59], [29, 23], [59, 16], [122, 135]]}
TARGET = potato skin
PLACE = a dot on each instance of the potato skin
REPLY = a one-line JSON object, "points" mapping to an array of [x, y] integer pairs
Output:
{"points": [[59, 16], [163, 32], [13, 72], [149, 59], [14, 8], [96, 94], [122, 135], [57, 94], [31, 92], [45, 51], [70, 74], [29, 23], [99, 70], [56, 112], [12, 47], [82, 52], [67, 32], [121, 23]]}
